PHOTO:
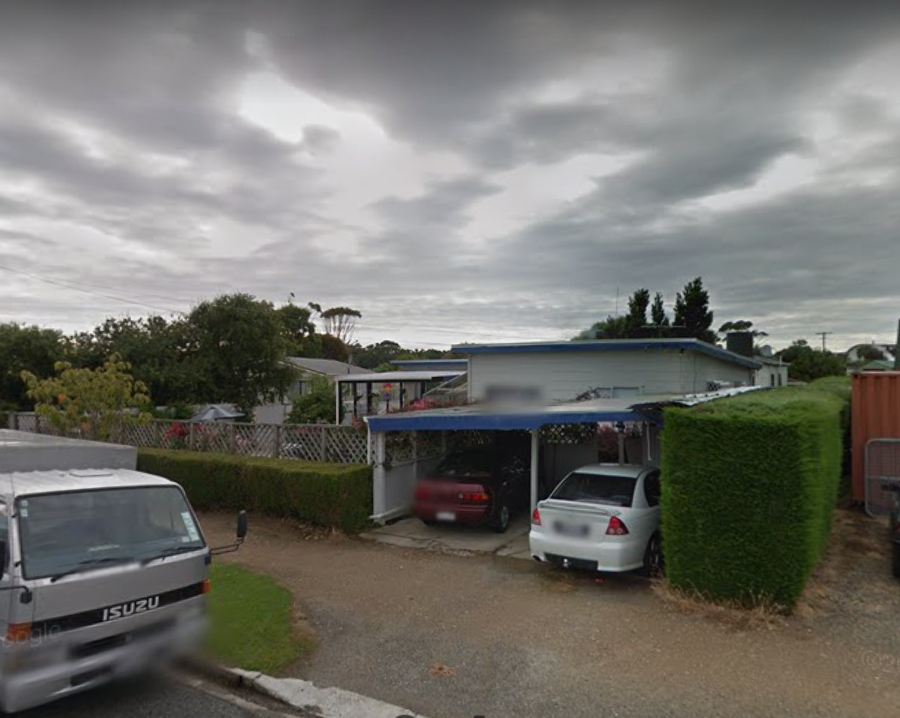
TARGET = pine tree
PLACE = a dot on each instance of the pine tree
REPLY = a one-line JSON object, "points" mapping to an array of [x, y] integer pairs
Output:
{"points": [[693, 313]]}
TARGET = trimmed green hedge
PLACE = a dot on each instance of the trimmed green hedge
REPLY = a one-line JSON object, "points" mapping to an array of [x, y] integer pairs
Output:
{"points": [[338, 495], [749, 488]]}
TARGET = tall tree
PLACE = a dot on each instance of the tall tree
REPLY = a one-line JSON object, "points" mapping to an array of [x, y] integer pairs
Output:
{"points": [[24, 348], [241, 348], [637, 309], [340, 322], [693, 313], [298, 328], [658, 312]]}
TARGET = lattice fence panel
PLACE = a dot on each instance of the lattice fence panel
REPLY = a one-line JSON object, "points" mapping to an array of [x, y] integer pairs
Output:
{"points": [[213, 437], [256, 439], [302, 441], [430, 444], [398, 448], [347, 445], [569, 433], [464, 439]]}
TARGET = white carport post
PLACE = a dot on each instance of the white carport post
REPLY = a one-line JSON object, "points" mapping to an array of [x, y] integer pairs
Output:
{"points": [[337, 402], [535, 455]]}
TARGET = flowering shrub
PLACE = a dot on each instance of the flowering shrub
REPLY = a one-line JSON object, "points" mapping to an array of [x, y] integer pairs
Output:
{"points": [[176, 436]]}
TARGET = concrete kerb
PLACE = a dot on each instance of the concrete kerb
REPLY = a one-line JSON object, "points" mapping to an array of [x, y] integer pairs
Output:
{"points": [[306, 696]]}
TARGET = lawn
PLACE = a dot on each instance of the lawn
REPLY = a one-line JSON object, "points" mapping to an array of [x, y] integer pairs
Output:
{"points": [[252, 621]]}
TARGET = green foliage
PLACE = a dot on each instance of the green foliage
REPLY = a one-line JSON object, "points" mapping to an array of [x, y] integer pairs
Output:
{"points": [[808, 364], [870, 353], [750, 485], [316, 406], [93, 401], [25, 348], [637, 309], [374, 355], [658, 312], [337, 495], [298, 329], [240, 351], [161, 354], [251, 621], [693, 313], [333, 348]]}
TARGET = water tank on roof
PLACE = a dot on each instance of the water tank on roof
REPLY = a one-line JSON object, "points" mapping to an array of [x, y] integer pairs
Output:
{"points": [[740, 343]]}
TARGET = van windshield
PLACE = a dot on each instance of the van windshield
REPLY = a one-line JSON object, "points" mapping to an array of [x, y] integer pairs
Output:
{"points": [[63, 532], [596, 488]]}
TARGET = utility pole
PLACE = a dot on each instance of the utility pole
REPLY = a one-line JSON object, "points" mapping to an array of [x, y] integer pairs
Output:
{"points": [[823, 335]]}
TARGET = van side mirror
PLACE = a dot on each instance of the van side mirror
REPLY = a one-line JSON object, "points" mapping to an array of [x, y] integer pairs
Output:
{"points": [[241, 534]]}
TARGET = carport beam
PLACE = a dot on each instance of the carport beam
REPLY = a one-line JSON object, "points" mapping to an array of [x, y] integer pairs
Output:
{"points": [[535, 446]]}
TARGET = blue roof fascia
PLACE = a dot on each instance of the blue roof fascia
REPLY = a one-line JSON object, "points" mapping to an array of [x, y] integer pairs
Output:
{"points": [[588, 346], [429, 362], [497, 422]]}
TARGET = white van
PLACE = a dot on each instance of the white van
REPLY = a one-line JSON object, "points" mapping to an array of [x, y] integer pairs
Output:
{"points": [[103, 571]]}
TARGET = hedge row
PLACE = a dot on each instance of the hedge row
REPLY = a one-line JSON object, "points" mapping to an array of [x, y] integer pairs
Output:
{"points": [[750, 487], [338, 495]]}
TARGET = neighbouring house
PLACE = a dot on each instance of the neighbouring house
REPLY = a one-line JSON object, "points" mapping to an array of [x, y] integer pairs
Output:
{"points": [[358, 395], [878, 365], [307, 370], [854, 357]]}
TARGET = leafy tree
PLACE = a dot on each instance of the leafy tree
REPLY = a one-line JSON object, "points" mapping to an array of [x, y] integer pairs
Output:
{"points": [[742, 325], [333, 348], [808, 364], [240, 351], [374, 355], [693, 313], [299, 329], [161, 353], [658, 312], [611, 328], [93, 401], [870, 353], [316, 406], [340, 322], [637, 309], [24, 348]]}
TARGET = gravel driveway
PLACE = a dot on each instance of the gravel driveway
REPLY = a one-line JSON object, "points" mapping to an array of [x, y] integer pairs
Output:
{"points": [[451, 636]]}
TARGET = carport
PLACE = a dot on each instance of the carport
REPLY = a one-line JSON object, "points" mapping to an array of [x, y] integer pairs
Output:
{"points": [[392, 489], [393, 481]]}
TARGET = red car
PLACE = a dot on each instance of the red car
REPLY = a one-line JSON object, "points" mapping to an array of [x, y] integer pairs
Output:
{"points": [[483, 485]]}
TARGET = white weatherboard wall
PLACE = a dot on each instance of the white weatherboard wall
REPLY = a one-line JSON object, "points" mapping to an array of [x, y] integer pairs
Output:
{"points": [[561, 376]]}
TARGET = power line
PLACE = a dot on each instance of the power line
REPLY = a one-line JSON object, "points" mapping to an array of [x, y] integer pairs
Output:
{"points": [[76, 288]]}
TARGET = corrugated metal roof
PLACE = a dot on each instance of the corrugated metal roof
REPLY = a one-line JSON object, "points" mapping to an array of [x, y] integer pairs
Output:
{"points": [[328, 367], [384, 377], [597, 345]]}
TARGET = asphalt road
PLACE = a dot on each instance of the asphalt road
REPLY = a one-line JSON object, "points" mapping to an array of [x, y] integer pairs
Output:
{"points": [[155, 697]]}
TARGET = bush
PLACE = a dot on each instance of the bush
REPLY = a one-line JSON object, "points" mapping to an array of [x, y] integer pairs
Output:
{"points": [[337, 495], [749, 489]]}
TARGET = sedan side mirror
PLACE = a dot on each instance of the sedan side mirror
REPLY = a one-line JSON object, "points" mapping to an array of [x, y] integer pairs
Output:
{"points": [[242, 525]]}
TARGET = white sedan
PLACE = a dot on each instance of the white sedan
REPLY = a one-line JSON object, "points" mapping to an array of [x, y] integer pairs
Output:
{"points": [[603, 517]]}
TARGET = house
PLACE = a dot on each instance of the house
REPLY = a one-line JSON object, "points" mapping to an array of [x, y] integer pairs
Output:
{"points": [[307, 369], [431, 364], [878, 365], [557, 391], [772, 373], [611, 368]]}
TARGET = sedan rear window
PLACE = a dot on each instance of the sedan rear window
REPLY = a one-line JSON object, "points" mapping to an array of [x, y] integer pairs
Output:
{"points": [[466, 463], [596, 488]]}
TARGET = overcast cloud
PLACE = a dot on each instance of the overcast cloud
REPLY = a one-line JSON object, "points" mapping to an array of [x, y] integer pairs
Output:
{"points": [[458, 171]]}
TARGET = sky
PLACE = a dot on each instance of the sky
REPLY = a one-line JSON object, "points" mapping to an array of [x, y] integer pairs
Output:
{"points": [[457, 171]]}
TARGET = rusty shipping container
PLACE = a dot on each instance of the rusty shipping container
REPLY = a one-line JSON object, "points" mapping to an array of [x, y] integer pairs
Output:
{"points": [[875, 415]]}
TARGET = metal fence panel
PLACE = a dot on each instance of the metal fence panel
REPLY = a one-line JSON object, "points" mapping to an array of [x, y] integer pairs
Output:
{"points": [[882, 468]]}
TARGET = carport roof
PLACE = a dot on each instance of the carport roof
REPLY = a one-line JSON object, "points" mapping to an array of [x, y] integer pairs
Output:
{"points": [[487, 417], [386, 377]]}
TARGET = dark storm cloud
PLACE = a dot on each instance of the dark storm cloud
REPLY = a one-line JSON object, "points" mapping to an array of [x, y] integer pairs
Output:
{"points": [[692, 98]]}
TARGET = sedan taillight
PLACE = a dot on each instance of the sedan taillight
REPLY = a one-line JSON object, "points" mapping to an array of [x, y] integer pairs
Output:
{"points": [[536, 517], [616, 527], [473, 497]]}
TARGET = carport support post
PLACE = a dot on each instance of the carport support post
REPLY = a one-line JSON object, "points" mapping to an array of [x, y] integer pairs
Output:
{"points": [[379, 484], [535, 446]]}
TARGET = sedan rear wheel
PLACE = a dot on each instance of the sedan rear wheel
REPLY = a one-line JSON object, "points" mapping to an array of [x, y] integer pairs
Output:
{"points": [[501, 523], [653, 557]]}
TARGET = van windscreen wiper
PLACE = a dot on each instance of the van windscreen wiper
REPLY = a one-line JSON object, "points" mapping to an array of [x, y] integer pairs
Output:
{"points": [[171, 551], [90, 563]]}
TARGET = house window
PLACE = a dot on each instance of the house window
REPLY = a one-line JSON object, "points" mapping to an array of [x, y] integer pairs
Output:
{"points": [[780, 380], [772, 377]]}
